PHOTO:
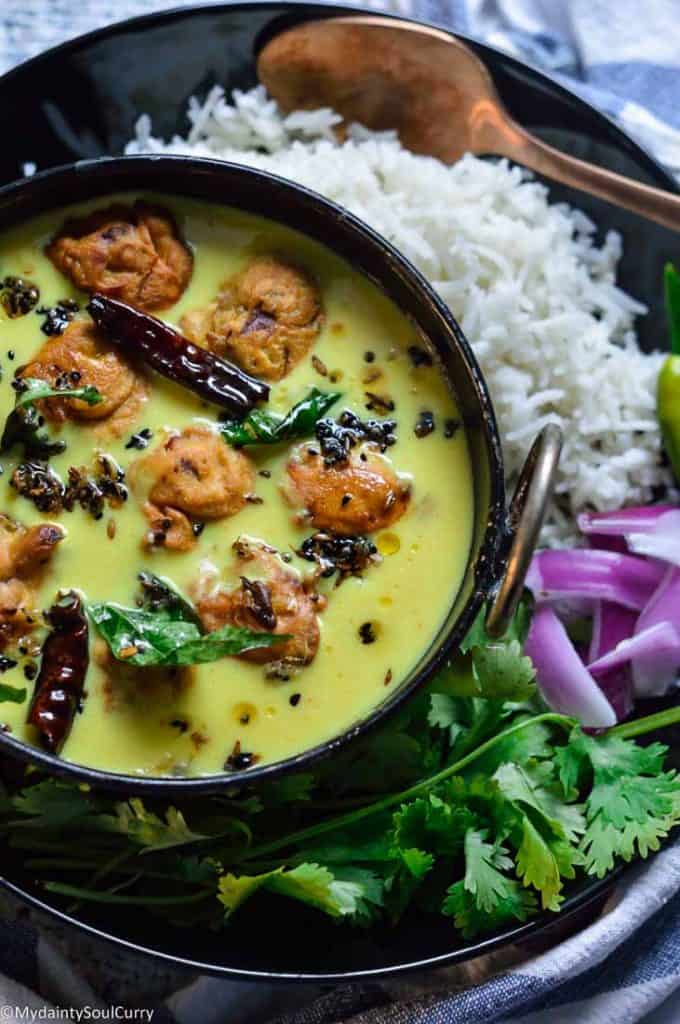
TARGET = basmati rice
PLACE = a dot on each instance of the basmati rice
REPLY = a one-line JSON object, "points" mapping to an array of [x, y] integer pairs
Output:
{"points": [[534, 294]]}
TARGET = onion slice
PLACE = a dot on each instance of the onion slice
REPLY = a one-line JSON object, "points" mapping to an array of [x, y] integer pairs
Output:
{"points": [[565, 683], [654, 672], [659, 643], [652, 530], [612, 624], [596, 575]]}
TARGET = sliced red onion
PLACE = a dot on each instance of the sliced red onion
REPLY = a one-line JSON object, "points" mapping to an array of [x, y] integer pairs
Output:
{"points": [[596, 575], [565, 683], [607, 542], [623, 520], [659, 643], [651, 530], [654, 672], [612, 624]]}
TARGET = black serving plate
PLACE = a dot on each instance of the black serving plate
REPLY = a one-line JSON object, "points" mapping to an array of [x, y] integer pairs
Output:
{"points": [[80, 100]]}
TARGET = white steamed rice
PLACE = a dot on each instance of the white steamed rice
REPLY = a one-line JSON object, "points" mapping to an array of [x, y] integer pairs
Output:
{"points": [[533, 293]]}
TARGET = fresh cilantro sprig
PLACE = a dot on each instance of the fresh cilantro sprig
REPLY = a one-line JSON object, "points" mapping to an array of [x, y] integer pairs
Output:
{"points": [[498, 666], [494, 810], [632, 802], [487, 896]]}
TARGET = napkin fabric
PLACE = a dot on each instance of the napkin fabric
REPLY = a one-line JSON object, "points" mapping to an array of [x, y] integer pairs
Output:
{"points": [[623, 56]]}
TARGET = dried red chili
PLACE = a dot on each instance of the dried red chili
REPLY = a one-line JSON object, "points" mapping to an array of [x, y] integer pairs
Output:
{"points": [[170, 354], [59, 686]]}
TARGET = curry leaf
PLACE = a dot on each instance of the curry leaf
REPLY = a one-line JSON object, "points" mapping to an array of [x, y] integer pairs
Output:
{"points": [[260, 427], [23, 423], [35, 390], [12, 694], [142, 638]]}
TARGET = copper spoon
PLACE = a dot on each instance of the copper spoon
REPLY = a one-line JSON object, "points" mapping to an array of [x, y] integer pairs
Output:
{"points": [[433, 90]]}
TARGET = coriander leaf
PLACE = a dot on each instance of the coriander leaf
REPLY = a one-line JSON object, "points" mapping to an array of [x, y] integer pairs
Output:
{"points": [[52, 804], [628, 809], [486, 898], [233, 891], [445, 713], [515, 903], [456, 679], [518, 630], [603, 843], [606, 752], [545, 828], [533, 742], [495, 670], [501, 670], [371, 897], [197, 869], [417, 861], [144, 828], [309, 883], [354, 847], [632, 803], [621, 798], [471, 721], [433, 824], [404, 879], [260, 427], [22, 426], [541, 861], [484, 864], [534, 786], [12, 694], [141, 638]]}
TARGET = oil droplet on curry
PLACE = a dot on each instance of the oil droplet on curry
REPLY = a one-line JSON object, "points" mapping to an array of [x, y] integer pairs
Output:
{"points": [[343, 544]]}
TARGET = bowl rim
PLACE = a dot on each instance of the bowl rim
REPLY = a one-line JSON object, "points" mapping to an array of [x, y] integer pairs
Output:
{"points": [[589, 895], [393, 266]]}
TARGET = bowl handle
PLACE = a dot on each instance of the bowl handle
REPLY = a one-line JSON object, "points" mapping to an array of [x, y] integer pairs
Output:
{"points": [[525, 519]]}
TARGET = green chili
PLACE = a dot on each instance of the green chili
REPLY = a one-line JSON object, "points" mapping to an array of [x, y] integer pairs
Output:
{"points": [[668, 389]]}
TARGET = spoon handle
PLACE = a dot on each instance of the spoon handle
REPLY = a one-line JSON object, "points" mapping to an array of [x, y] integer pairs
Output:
{"points": [[653, 203]]}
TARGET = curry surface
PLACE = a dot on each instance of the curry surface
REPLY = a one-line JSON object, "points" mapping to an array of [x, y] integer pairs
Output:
{"points": [[126, 724]]}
